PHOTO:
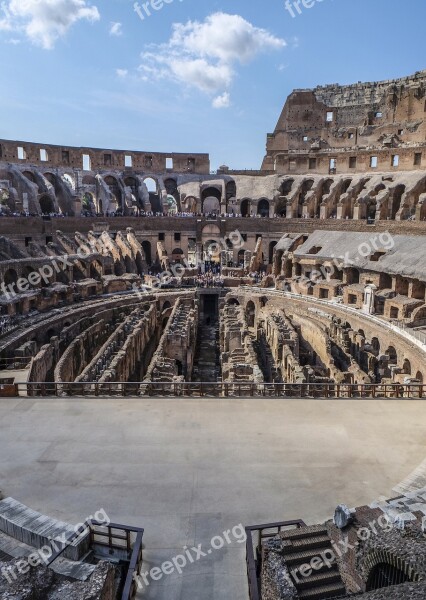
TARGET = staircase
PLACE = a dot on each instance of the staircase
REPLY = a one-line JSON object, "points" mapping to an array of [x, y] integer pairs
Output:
{"points": [[300, 547]]}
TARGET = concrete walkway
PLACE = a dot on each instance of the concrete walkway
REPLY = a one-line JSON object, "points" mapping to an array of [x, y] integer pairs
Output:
{"points": [[188, 470]]}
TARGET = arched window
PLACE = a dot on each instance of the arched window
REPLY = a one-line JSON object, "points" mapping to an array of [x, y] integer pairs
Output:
{"points": [[263, 208]]}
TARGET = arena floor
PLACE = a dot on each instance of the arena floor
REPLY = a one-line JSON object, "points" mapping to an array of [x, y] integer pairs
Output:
{"points": [[188, 470]]}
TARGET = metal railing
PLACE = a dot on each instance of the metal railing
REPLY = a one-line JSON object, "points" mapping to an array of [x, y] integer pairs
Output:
{"points": [[254, 550], [123, 539], [222, 390]]}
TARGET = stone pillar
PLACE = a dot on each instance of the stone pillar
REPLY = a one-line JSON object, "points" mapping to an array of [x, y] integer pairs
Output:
{"points": [[369, 296]]}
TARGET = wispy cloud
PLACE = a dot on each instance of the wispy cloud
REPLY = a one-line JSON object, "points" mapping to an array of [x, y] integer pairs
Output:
{"points": [[223, 101], [45, 21], [205, 55], [116, 29]]}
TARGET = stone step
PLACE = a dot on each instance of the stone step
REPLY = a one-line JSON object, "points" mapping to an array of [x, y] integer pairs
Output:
{"points": [[319, 579], [299, 558], [323, 592], [300, 545], [311, 531]]}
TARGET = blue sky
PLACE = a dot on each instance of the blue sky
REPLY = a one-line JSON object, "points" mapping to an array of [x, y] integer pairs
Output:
{"points": [[195, 76]]}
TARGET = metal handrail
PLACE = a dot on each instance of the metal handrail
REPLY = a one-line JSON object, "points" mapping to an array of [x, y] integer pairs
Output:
{"points": [[227, 389], [254, 554]]}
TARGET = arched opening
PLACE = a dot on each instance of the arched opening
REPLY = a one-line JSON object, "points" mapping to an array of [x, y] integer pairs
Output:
{"points": [[385, 575], [392, 355], [146, 247], [10, 278], [96, 270], [154, 194], [114, 188], [375, 344], [250, 313], [46, 205], [385, 281], [50, 333], [419, 376], [133, 184], [177, 255], [231, 190], [271, 252], [87, 202], [29, 176], [128, 263], [245, 207], [233, 302], [406, 368], [210, 199], [172, 191], [263, 208], [286, 186], [281, 207], [352, 276]]}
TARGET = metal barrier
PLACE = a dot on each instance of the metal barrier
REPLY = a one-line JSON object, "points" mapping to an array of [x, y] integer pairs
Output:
{"points": [[223, 390], [120, 540], [254, 552]]}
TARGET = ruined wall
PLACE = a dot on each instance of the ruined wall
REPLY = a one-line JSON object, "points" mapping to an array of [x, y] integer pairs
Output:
{"points": [[349, 124]]}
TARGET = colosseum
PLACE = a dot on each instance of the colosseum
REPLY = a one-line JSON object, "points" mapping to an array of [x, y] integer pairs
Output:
{"points": [[159, 321]]}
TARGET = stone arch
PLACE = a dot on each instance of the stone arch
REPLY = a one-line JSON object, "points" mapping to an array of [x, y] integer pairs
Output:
{"points": [[177, 254], [393, 355], [233, 302], [281, 207], [272, 251], [375, 344], [245, 207], [146, 247], [286, 186], [263, 207], [172, 190], [96, 269], [29, 175], [10, 277], [406, 367], [153, 188], [46, 204], [114, 187], [210, 200], [231, 190], [250, 313], [352, 275], [383, 569]]}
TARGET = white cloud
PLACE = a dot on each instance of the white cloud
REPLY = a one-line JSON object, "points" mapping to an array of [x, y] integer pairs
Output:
{"points": [[122, 73], [45, 21], [223, 101], [116, 29], [205, 55]]}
